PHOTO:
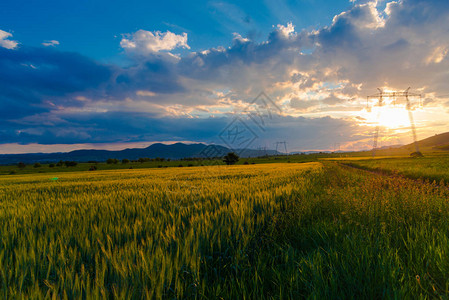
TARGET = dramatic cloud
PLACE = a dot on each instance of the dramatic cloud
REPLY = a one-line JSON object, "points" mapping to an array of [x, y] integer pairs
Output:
{"points": [[318, 78], [50, 43], [147, 42], [37, 80], [5, 42]]}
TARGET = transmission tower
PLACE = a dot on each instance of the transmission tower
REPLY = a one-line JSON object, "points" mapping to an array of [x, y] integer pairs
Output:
{"points": [[395, 95], [282, 143]]}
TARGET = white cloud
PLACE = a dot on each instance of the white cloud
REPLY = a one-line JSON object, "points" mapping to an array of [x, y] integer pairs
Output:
{"points": [[147, 42], [5, 42], [145, 93], [50, 43], [288, 30]]}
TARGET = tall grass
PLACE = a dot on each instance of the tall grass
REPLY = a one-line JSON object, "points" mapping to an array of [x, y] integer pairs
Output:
{"points": [[431, 167], [263, 231]]}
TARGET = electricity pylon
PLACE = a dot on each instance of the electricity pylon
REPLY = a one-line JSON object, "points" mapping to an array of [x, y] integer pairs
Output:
{"points": [[282, 143], [395, 95]]}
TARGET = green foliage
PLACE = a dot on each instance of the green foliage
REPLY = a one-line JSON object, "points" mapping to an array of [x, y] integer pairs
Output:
{"points": [[37, 165], [416, 154], [125, 161], [231, 158], [68, 163], [21, 165], [269, 231], [112, 161]]}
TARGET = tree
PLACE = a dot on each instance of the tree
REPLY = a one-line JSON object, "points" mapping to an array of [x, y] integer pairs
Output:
{"points": [[416, 154], [231, 158], [69, 163], [21, 165], [112, 161], [37, 165], [125, 161]]}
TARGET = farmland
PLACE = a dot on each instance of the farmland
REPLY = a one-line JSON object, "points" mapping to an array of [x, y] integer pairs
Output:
{"points": [[432, 168], [281, 230]]}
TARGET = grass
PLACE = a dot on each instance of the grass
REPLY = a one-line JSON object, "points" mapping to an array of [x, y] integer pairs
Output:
{"points": [[288, 230], [45, 168], [433, 168]]}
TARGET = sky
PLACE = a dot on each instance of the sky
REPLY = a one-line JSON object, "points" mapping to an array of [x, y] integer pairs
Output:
{"points": [[115, 75]]}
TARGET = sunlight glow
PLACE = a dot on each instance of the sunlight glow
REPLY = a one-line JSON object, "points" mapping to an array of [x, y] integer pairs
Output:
{"points": [[388, 116]]}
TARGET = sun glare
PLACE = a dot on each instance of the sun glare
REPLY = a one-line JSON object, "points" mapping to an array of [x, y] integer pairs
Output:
{"points": [[390, 117]]}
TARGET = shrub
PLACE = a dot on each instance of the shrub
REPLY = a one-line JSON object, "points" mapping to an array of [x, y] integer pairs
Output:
{"points": [[51, 165], [125, 161], [37, 165], [69, 163], [416, 154], [231, 158], [21, 165], [112, 161]]}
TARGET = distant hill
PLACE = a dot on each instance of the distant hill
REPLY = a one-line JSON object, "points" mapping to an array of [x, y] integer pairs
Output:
{"points": [[173, 151], [436, 142]]}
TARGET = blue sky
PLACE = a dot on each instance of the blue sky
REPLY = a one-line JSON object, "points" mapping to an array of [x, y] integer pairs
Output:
{"points": [[94, 28], [110, 75]]}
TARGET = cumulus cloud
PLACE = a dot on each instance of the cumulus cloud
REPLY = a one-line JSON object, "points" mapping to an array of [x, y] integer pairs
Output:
{"points": [[146, 42], [5, 41], [319, 78], [50, 43]]}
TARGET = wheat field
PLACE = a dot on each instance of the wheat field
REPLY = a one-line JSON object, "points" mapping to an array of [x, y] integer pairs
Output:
{"points": [[277, 231]]}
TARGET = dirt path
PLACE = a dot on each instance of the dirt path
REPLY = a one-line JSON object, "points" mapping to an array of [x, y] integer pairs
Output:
{"points": [[392, 175]]}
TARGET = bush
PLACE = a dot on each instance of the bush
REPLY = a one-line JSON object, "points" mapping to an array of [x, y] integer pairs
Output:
{"points": [[231, 158], [416, 154], [60, 163], [21, 165], [112, 161], [37, 165], [69, 163], [125, 161], [51, 165], [93, 168]]}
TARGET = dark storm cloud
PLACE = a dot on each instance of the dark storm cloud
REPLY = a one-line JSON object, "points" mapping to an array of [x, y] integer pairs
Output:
{"points": [[33, 80]]}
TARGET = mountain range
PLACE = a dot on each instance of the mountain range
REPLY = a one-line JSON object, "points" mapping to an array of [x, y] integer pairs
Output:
{"points": [[171, 151]]}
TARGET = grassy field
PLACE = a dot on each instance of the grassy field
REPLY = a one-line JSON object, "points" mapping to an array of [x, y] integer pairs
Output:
{"points": [[281, 230], [84, 166], [432, 168]]}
